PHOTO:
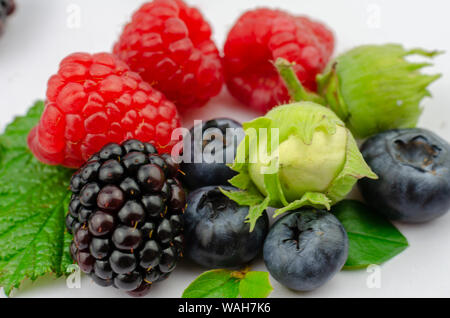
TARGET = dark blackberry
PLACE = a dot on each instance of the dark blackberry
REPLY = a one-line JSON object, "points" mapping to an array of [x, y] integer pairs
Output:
{"points": [[126, 216], [6, 8]]}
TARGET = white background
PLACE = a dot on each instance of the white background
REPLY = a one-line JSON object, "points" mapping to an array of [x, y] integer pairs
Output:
{"points": [[41, 33]]}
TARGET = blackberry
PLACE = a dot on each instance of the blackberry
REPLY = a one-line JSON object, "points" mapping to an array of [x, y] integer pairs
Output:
{"points": [[125, 216], [6, 8]]}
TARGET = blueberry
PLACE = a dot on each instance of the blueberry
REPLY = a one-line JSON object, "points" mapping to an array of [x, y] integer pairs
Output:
{"points": [[413, 166], [216, 232], [213, 151], [305, 249]]}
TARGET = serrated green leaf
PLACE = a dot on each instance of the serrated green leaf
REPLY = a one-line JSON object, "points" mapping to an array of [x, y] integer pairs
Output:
{"points": [[255, 285], [217, 283], [241, 181], [33, 204], [256, 211], [248, 197], [372, 238], [251, 197], [223, 283]]}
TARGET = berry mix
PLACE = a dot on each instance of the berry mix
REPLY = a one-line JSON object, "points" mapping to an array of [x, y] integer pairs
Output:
{"points": [[139, 202]]}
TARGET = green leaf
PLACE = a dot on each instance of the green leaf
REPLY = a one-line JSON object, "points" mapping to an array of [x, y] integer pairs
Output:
{"points": [[241, 181], [372, 238], [255, 285], [223, 283], [251, 197], [256, 211], [218, 283], [247, 197], [33, 203]]}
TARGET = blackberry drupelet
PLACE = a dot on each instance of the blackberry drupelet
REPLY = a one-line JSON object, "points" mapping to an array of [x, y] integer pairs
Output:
{"points": [[125, 216], [6, 8]]}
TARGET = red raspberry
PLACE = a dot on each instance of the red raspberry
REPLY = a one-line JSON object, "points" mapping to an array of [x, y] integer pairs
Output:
{"points": [[261, 36], [169, 44], [94, 100]]}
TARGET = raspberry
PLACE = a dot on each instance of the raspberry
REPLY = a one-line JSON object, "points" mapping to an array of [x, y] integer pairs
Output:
{"points": [[169, 44], [6, 8], [260, 37], [126, 216], [94, 100]]}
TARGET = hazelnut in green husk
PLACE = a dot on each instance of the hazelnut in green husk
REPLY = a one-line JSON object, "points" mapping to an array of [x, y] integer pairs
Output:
{"points": [[374, 88]]}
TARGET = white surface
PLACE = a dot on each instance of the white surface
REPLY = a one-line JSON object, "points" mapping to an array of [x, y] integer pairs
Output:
{"points": [[38, 36]]}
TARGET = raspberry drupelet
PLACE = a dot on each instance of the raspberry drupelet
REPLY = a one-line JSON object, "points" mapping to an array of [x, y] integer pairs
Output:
{"points": [[261, 36], [93, 100], [169, 44]]}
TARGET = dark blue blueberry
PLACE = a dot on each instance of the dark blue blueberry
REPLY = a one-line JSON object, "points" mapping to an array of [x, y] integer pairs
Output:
{"points": [[413, 166], [305, 249], [216, 232], [206, 167]]}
